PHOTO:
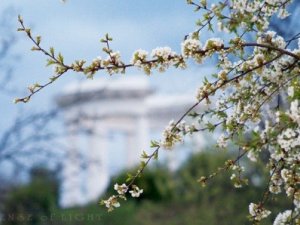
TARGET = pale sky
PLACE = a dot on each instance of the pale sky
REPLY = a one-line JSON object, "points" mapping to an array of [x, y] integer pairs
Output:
{"points": [[75, 28]]}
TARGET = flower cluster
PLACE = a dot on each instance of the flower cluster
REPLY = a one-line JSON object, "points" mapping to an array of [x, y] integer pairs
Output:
{"points": [[190, 47], [289, 139], [213, 44], [174, 133], [283, 218], [121, 189], [136, 192], [236, 177], [204, 91], [257, 212], [113, 201], [222, 141], [163, 53], [256, 11], [271, 38], [171, 136], [139, 56]]}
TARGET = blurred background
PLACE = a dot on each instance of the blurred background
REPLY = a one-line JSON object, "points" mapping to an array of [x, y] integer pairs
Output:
{"points": [[63, 151]]}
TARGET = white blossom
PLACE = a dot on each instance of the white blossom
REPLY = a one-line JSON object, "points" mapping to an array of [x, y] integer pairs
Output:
{"points": [[252, 156], [163, 53], [258, 212], [222, 141], [171, 136], [295, 111], [213, 43], [283, 218], [136, 192], [290, 91], [111, 203], [98, 59], [138, 57], [121, 189], [190, 46]]}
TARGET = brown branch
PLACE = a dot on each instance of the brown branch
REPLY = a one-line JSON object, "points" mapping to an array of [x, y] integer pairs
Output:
{"points": [[66, 68], [283, 51]]}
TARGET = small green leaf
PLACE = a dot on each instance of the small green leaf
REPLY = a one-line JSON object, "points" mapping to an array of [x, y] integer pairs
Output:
{"points": [[144, 155], [20, 19], [52, 51], [28, 31], [193, 114], [50, 62], [129, 177], [38, 40], [154, 144], [35, 48], [60, 58], [211, 127], [142, 164], [53, 78], [155, 155]]}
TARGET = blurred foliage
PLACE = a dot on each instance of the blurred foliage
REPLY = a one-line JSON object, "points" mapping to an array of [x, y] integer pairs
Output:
{"points": [[169, 198], [158, 184], [33, 202]]}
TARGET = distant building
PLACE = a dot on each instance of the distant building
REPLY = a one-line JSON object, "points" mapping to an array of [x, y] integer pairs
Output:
{"points": [[109, 123]]}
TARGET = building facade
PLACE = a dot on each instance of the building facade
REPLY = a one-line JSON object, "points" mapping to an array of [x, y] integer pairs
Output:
{"points": [[109, 123]]}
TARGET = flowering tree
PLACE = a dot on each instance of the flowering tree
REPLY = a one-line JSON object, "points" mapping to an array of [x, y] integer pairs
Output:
{"points": [[255, 65]]}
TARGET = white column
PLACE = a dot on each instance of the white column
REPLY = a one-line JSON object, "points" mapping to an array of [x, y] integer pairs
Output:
{"points": [[143, 133], [131, 149], [97, 176], [70, 191], [137, 140]]}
